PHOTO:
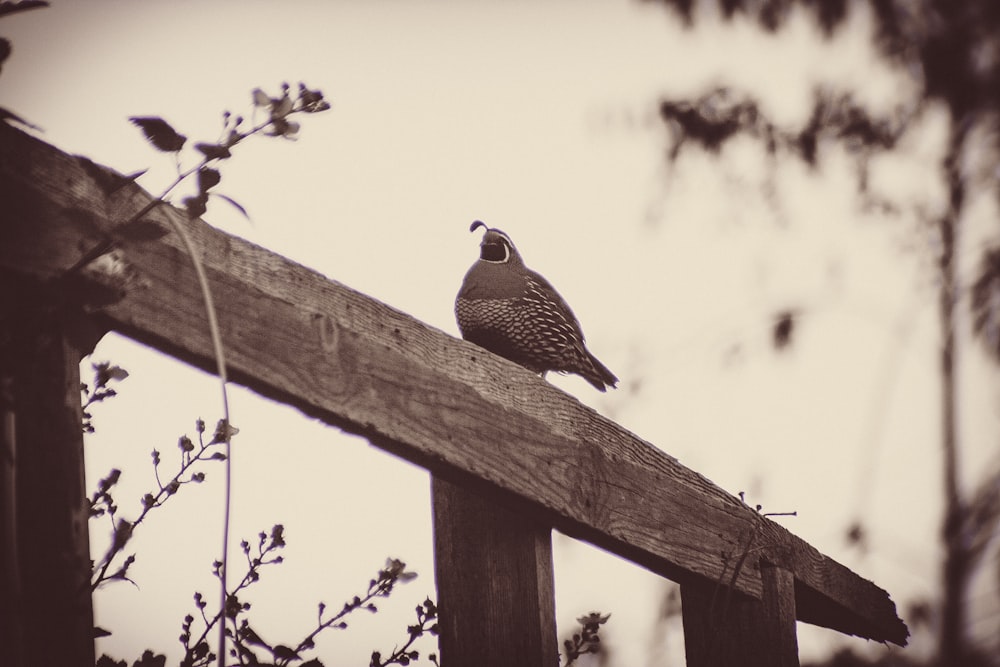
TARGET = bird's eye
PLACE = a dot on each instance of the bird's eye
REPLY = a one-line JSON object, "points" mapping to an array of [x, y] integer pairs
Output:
{"points": [[494, 251]]}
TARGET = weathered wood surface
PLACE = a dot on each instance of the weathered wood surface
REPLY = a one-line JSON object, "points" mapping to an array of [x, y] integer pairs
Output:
{"points": [[468, 416], [45, 604], [723, 629], [496, 593]]}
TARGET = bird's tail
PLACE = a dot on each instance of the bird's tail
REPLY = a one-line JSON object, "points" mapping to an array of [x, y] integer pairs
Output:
{"points": [[599, 375]]}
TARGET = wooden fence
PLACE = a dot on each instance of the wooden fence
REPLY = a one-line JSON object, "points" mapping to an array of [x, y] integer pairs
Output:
{"points": [[511, 456]]}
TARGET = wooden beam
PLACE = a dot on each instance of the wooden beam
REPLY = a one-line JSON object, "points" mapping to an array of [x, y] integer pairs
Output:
{"points": [[723, 628], [496, 596], [295, 336], [45, 607]]}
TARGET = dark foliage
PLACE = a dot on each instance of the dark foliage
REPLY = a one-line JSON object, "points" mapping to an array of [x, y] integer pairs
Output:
{"points": [[14, 6], [951, 49], [783, 329], [954, 45], [588, 640], [721, 114], [164, 137], [160, 133], [148, 659], [954, 48], [104, 374], [246, 644], [986, 302], [111, 567]]}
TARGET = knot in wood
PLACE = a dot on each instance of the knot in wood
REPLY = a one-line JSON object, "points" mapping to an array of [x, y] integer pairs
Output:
{"points": [[329, 332]]}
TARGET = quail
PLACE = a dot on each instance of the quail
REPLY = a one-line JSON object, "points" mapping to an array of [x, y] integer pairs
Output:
{"points": [[512, 311]]}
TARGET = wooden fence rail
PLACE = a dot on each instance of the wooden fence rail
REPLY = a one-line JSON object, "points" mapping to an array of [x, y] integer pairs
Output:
{"points": [[495, 437]]}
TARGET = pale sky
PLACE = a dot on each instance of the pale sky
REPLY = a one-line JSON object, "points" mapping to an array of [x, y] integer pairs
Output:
{"points": [[538, 118]]}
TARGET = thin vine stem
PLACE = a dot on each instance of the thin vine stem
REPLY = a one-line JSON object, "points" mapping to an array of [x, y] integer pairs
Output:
{"points": [[213, 324], [220, 360]]}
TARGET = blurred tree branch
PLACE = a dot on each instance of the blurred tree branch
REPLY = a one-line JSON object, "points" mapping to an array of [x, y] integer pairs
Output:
{"points": [[952, 47]]}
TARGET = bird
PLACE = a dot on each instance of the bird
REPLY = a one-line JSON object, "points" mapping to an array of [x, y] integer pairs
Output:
{"points": [[514, 312]]}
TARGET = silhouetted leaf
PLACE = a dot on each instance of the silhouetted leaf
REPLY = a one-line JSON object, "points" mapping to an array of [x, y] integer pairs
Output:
{"points": [[830, 14], [232, 202], [593, 618], [196, 206], [160, 133], [281, 107], [126, 179], [985, 304], [107, 179], [251, 637], [149, 659], [781, 332], [23, 5], [213, 151], [857, 536], [234, 137], [105, 373], [282, 652], [247, 657], [8, 115], [106, 661], [208, 178], [142, 230], [223, 433], [711, 120], [280, 127], [122, 534], [110, 480], [260, 98], [311, 101], [201, 650], [101, 632]]}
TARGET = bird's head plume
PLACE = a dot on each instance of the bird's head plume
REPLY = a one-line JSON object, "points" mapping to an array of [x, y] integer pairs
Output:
{"points": [[496, 247]]}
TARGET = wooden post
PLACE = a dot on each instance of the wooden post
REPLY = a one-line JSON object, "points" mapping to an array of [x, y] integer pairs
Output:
{"points": [[47, 617], [494, 581], [722, 627], [11, 633]]}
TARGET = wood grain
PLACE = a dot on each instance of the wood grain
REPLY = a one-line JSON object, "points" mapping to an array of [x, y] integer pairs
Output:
{"points": [[46, 610], [496, 595], [721, 628], [470, 417]]}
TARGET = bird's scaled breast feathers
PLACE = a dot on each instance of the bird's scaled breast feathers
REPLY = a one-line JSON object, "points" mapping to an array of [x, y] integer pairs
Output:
{"points": [[520, 331], [534, 324]]}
